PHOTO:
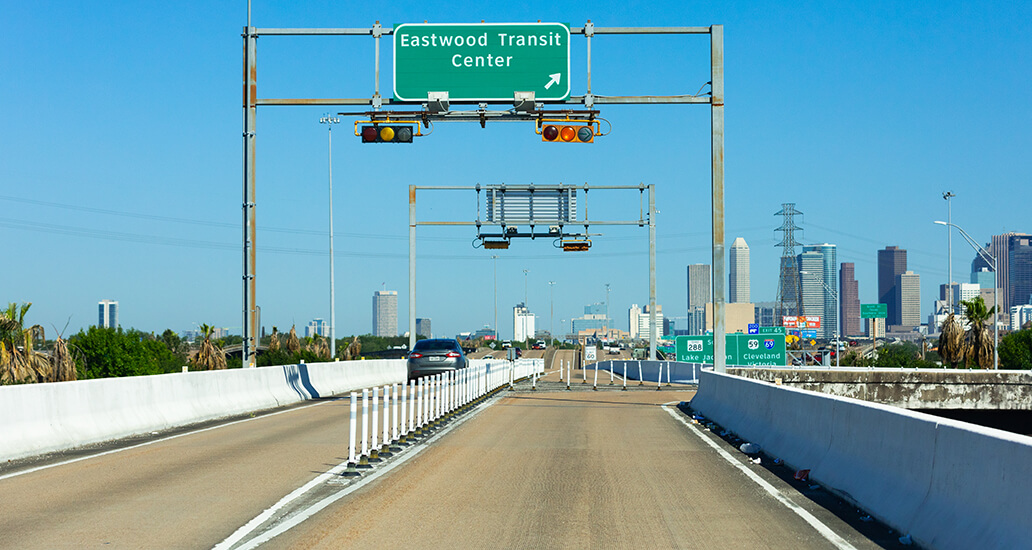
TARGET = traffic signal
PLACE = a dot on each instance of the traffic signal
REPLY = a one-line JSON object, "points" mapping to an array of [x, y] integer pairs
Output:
{"points": [[387, 133], [567, 133], [576, 246]]}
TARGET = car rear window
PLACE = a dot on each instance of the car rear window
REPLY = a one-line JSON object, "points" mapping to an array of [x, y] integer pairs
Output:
{"points": [[436, 344]]}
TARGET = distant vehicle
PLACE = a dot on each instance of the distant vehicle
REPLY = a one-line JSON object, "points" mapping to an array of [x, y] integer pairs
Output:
{"points": [[614, 350], [540, 345], [519, 353], [435, 356], [506, 344]]}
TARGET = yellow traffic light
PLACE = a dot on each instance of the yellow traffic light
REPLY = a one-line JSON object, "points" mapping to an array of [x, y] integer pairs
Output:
{"points": [[567, 133]]}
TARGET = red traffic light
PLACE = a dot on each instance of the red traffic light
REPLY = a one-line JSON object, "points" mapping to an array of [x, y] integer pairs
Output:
{"points": [[567, 133], [387, 133]]}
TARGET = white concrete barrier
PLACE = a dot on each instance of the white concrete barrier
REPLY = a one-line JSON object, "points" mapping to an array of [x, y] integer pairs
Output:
{"points": [[948, 484], [40, 418]]}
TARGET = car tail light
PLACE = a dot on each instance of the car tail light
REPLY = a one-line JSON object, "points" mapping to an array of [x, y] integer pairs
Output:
{"points": [[415, 355], [454, 354]]}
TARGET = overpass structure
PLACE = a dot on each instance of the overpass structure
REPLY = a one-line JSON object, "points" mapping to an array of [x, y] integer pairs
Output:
{"points": [[507, 458]]}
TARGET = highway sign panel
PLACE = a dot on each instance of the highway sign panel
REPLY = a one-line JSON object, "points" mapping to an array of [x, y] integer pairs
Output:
{"points": [[874, 311], [482, 61], [741, 349], [754, 328]]}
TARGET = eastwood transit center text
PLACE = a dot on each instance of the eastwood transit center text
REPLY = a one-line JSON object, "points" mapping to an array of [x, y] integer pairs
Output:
{"points": [[501, 39]]}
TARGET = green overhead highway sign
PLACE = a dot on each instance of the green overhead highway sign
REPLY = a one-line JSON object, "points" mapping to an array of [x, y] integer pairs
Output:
{"points": [[482, 61], [741, 349], [874, 311]]}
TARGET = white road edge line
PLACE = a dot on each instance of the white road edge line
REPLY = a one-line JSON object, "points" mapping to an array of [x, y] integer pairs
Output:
{"points": [[821, 528], [137, 446], [303, 515]]}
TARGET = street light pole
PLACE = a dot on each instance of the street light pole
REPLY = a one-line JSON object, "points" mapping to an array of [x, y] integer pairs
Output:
{"points": [[991, 260], [949, 250], [329, 122]]}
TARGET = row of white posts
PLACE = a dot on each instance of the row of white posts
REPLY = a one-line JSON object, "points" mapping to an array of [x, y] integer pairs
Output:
{"points": [[641, 379], [412, 411]]}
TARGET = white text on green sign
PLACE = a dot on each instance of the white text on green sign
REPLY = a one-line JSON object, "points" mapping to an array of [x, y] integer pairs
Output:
{"points": [[482, 62]]}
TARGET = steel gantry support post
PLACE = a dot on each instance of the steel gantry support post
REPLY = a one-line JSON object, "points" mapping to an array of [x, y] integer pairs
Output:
{"points": [[250, 313], [412, 266], [653, 329], [717, 134]]}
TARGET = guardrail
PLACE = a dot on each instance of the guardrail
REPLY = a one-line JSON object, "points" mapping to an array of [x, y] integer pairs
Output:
{"points": [[947, 484], [415, 410]]}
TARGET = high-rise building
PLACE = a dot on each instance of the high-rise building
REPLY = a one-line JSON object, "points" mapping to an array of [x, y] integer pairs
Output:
{"points": [[892, 262], [699, 285], [811, 268], [108, 314], [697, 321], [908, 295], [1019, 315], [849, 292], [1000, 248], [634, 314], [764, 312], [738, 272], [984, 277], [1019, 270], [639, 320], [317, 326], [385, 313], [423, 327], [827, 282], [522, 323]]}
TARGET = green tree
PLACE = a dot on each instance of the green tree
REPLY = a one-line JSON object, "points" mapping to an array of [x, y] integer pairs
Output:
{"points": [[1016, 350], [979, 338], [110, 352], [905, 355]]}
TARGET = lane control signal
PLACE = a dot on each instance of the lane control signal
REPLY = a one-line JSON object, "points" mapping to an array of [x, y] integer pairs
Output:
{"points": [[387, 133], [576, 246], [567, 133]]}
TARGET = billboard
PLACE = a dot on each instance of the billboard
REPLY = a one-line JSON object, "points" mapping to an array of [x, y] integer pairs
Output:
{"points": [[801, 321]]}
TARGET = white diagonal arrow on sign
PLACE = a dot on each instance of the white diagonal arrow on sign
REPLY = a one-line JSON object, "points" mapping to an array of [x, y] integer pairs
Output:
{"points": [[554, 80]]}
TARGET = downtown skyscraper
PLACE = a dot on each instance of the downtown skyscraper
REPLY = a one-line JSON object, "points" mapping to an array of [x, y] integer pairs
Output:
{"points": [[892, 262], [738, 274], [818, 284], [385, 313], [849, 294]]}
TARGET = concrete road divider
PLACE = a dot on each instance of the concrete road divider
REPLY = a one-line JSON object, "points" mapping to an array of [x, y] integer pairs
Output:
{"points": [[947, 484]]}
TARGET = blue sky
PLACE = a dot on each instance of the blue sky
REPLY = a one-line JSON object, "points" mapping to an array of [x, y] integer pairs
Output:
{"points": [[120, 156]]}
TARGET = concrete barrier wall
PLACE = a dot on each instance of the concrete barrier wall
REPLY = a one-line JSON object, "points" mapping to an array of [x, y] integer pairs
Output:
{"points": [[680, 373], [948, 484], [40, 418]]}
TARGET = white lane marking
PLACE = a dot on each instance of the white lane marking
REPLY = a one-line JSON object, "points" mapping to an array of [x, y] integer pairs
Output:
{"points": [[821, 528], [137, 446], [307, 513]]}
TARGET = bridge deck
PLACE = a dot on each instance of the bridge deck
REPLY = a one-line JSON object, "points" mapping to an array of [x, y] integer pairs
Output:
{"points": [[546, 469]]}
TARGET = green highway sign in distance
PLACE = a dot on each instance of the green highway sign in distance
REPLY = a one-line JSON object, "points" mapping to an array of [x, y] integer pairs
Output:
{"points": [[482, 61], [874, 311], [741, 349]]}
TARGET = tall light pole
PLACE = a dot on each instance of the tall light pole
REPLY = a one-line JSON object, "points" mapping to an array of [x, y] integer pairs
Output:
{"points": [[329, 122], [949, 250], [838, 317], [607, 307], [525, 279], [551, 310], [494, 260], [991, 260]]}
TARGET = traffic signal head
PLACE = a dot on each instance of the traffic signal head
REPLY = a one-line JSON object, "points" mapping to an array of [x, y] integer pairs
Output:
{"points": [[387, 133], [567, 133]]}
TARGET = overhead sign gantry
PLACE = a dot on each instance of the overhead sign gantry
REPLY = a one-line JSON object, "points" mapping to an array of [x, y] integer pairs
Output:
{"points": [[526, 64]]}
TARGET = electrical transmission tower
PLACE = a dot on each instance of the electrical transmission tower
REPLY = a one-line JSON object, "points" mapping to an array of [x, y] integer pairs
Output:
{"points": [[788, 301]]}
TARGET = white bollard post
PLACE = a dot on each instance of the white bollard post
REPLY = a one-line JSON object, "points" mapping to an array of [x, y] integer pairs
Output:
{"points": [[641, 379], [411, 391], [624, 376], [668, 373], [417, 388], [395, 428], [353, 429], [659, 377], [350, 471], [374, 447], [611, 369], [403, 429], [388, 420], [363, 461], [594, 383], [560, 371]]}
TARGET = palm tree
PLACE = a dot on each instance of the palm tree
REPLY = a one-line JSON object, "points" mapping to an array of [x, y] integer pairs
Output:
{"points": [[210, 356], [274, 344], [293, 344], [979, 340], [951, 341], [19, 363]]}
